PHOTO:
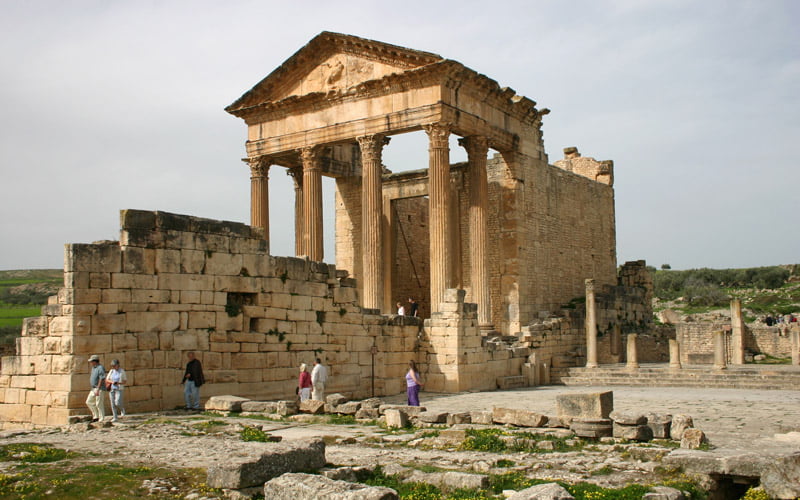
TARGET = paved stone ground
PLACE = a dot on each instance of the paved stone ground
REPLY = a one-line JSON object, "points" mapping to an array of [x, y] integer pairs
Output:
{"points": [[731, 418]]}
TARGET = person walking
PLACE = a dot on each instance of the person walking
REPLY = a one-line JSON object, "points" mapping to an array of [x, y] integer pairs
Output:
{"points": [[319, 377], [115, 381], [97, 385], [192, 380], [304, 384], [413, 307], [414, 383]]}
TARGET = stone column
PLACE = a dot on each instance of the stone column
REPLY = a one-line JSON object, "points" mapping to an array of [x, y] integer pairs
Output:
{"points": [[795, 333], [297, 176], [674, 354], [439, 210], [372, 219], [737, 333], [591, 325], [719, 350], [477, 148], [259, 193], [633, 353], [312, 202]]}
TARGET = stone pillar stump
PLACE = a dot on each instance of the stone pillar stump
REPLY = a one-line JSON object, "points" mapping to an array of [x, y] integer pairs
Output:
{"points": [[674, 354], [737, 333], [720, 362], [633, 353], [591, 325]]}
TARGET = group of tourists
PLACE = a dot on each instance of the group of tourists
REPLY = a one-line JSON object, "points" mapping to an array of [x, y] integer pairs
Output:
{"points": [[780, 319], [115, 380], [309, 385], [413, 308]]}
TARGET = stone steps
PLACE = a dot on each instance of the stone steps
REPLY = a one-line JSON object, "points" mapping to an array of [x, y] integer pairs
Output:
{"points": [[781, 378]]}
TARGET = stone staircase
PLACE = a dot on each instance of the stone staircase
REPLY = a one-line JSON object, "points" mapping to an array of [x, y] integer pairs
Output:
{"points": [[766, 377]]}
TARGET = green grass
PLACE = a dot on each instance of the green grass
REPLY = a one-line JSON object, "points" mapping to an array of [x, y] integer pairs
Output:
{"points": [[13, 315]]}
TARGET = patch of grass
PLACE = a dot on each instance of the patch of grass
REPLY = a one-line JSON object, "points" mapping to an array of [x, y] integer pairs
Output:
{"points": [[32, 453], [602, 471], [342, 420], [432, 433], [503, 463], [588, 491], [254, 434], [208, 426], [406, 491], [484, 440], [771, 360], [511, 481], [251, 417], [160, 421]]}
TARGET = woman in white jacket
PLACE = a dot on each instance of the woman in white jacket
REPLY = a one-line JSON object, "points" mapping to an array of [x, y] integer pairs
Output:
{"points": [[115, 381]]}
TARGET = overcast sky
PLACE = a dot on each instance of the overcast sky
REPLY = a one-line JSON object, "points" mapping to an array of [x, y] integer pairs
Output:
{"points": [[106, 105]]}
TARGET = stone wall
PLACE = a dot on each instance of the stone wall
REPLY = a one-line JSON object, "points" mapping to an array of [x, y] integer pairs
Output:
{"points": [[697, 341], [410, 264], [174, 284]]}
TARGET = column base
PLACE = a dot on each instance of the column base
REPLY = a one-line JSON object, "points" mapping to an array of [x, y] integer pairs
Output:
{"points": [[591, 365]]}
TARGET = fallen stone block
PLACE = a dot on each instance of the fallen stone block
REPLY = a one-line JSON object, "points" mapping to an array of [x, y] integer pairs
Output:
{"points": [[258, 407], [781, 477], [395, 418], [632, 432], [481, 417], [350, 474], [554, 422], [410, 411], [238, 472], [335, 399], [586, 406], [547, 491], [285, 408], [627, 418], [664, 493], [450, 480], [296, 486], [225, 403], [660, 424], [679, 424], [520, 418], [453, 436], [592, 428], [433, 417], [349, 408], [459, 418], [368, 413], [312, 406], [371, 403], [692, 439]]}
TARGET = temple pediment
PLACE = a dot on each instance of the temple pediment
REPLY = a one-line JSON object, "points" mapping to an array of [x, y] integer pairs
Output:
{"points": [[333, 62]]}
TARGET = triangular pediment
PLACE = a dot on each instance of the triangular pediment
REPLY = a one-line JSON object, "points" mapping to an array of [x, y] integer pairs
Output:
{"points": [[333, 62]]}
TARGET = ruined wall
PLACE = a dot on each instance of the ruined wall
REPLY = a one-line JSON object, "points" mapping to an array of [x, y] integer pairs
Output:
{"points": [[410, 263], [697, 341]]}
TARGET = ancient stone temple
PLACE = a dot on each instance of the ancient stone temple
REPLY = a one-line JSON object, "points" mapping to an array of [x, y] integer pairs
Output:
{"points": [[498, 250], [519, 235]]}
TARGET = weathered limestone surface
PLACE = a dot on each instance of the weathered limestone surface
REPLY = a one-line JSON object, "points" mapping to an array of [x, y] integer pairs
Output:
{"points": [[519, 418], [679, 424], [781, 477], [594, 405], [277, 459], [225, 403], [298, 486], [547, 491]]}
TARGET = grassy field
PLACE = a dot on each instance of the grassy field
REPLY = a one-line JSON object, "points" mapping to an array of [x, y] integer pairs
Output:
{"points": [[12, 315], [16, 305]]}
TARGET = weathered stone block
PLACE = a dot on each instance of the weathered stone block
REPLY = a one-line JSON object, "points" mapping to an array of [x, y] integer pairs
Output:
{"points": [[592, 428], [312, 406], [679, 424], [411, 411], [663, 493], [279, 458], [781, 476], [93, 258], [286, 408], [481, 417], [459, 418], [633, 432], [520, 418], [311, 487], [349, 408], [368, 413], [225, 403], [335, 399], [692, 438], [660, 424], [433, 417], [547, 491], [259, 406], [395, 418], [627, 418], [586, 406]]}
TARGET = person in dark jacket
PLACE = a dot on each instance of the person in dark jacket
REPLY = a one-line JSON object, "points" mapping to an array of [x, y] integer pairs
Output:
{"points": [[192, 380]]}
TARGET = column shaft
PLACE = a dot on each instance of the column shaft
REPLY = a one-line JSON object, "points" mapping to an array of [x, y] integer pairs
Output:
{"points": [[372, 219], [591, 325], [297, 176], [259, 194], [439, 210], [477, 148], [312, 202], [737, 333], [674, 354], [633, 353], [795, 333], [720, 362]]}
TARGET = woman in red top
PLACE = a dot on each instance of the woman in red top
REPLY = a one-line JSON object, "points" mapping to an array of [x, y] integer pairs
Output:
{"points": [[304, 383]]}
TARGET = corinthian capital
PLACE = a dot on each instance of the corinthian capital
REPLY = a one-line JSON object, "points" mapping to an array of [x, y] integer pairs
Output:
{"points": [[372, 146], [476, 145], [259, 166], [311, 157], [438, 134]]}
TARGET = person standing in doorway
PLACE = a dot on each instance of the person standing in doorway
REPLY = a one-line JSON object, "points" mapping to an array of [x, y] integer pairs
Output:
{"points": [[97, 379], [414, 383], [304, 384], [319, 377], [192, 380], [115, 381], [413, 307]]}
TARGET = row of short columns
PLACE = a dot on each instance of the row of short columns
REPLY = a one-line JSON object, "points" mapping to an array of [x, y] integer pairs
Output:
{"points": [[308, 207]]}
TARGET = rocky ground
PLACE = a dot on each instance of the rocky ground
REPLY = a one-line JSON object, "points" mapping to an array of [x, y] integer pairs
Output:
{"points": [[762, 422]]}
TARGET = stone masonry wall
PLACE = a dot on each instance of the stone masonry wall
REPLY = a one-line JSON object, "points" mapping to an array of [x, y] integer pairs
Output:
{"points": [[410, 263], [697, 341], [174, 284]]}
